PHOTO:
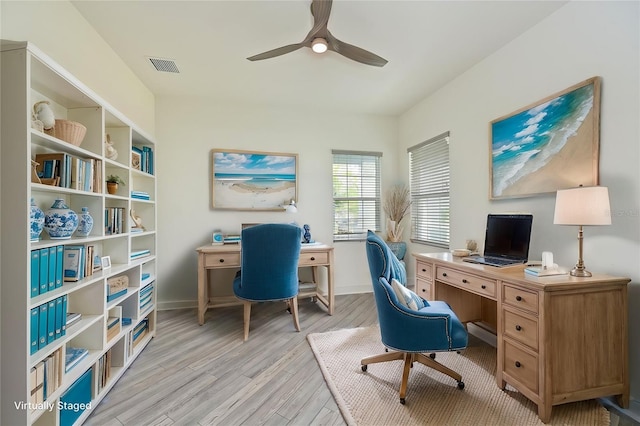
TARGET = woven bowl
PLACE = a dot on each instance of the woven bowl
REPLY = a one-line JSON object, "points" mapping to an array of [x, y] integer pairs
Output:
{"points": [[69, 131]]}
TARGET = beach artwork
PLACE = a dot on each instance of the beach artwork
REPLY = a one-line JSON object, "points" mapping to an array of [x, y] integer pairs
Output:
{"points": [[253, 180], [550, 145]]}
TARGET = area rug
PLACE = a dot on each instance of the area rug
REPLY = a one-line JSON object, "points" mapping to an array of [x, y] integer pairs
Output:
{"points": [[372, 397]]}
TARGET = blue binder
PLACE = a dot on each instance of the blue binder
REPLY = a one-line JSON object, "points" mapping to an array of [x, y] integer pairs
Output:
{"points": [[44, 270], [51, 321], [42, 326], [35, 314], [64, 315], [78, 395], [52, 268], [59, 317], [59, 265], [35, 273]]}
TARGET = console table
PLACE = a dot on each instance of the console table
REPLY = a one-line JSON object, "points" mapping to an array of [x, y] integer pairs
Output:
{"points": [[560, 338], [228, 256]]}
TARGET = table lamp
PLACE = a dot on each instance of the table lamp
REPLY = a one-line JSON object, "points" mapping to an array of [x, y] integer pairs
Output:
{"points": [[582, 206], [291, 207]]}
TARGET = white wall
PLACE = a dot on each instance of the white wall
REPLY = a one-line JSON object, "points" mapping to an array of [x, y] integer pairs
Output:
{"points": [[191, 127], [579, 41], [58, 29]]}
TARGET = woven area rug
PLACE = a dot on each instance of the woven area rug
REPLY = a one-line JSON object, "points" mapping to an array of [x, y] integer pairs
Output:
{"points": [[372, 398]]}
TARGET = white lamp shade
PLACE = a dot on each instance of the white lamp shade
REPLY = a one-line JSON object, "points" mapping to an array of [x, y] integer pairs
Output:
{"points": [[587, 205], [319, 45]]}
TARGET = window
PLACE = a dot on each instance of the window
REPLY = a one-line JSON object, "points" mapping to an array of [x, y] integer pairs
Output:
{"points": [[429, 181], [356, 194]]}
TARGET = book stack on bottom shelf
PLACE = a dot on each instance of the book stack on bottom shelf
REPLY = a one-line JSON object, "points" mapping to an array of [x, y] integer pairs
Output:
{"points": [[138, 333], [104, 370], [46, 377]]}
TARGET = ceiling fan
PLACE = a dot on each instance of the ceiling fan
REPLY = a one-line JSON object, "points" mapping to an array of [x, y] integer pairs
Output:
{"points": [[320, 40]]}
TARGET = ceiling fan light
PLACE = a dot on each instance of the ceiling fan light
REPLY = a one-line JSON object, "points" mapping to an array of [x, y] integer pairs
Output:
{"points": [[319, 45]]}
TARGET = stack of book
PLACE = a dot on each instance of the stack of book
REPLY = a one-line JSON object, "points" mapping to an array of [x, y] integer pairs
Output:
{"points": [[146, 297], [137, 254], [104, 370], [140, 195], [113, 327], [539, 271], [73, 317], [231, 239], [138, 333], [46, 377], [74, 356]]}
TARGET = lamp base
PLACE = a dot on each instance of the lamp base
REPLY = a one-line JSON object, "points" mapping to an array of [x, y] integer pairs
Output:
{"points": [[580, 272]]}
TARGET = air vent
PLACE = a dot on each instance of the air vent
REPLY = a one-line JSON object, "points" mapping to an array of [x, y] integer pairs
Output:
{"points": [[164, 65]]}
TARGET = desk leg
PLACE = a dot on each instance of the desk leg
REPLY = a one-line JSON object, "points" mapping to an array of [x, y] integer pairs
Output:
{"points": [[203, 289], [544, 412], [330, 284]]}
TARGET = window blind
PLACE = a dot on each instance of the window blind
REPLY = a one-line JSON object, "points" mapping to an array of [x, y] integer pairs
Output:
{"points": [[356, 194], [429, 183]]}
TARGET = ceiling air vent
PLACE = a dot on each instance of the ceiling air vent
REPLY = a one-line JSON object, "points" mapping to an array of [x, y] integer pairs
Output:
{"points": [[164, 65]]}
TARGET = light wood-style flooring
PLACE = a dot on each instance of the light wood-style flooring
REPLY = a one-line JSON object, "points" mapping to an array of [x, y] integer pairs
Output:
{"points": [[202, 375]]}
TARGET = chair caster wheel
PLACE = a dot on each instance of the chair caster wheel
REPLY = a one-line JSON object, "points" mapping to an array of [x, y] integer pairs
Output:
{"points": [[364, 368], [432, 356], [460, 385], [402, 401]]}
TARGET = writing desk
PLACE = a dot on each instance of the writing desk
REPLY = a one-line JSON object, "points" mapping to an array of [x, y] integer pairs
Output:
{"points": [[227, 256], [560, 338]]}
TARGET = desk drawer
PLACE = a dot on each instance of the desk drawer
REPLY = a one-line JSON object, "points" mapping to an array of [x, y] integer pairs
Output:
{"points": [[424, 271], [310, 258], [521, 365], [221, 260], [521, 328], [523, 299], [423, 289], [478, 285]]}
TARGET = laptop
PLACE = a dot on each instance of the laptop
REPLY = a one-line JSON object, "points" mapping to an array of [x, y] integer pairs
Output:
{"points": [[506, 240]]}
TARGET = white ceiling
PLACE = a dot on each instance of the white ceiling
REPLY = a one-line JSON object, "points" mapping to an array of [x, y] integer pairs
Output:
{"points": [[427, 44]]}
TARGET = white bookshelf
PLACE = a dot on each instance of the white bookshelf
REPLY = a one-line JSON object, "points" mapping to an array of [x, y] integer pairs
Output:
{"points": [[28, 76]]}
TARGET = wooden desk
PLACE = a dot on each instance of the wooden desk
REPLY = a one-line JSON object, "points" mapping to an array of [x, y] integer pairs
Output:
{"points": [[560, 339], [228, 256]]}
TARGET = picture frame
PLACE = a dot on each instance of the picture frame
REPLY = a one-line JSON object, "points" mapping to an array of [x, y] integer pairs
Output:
{"points": [[136, 160], [548, 145], [253, 180], [106, 262]]}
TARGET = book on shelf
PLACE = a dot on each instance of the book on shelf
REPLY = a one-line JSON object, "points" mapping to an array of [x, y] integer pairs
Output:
{"points": [[113, 327], [73, 317], [141, 195], [126, 321], [139, 253], [74, 356], [539, 271], [73, 263]]}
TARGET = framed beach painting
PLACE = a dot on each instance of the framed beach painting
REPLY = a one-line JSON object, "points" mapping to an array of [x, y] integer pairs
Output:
{"points": [[549, 145], [253, 180]]}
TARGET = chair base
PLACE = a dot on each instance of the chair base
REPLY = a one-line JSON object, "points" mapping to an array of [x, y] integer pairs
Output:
{"points": [[292, 307], [409, 358]]}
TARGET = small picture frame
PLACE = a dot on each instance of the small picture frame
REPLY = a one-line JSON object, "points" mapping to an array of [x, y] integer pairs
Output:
{"points": [[106, 262], [136, 160]]}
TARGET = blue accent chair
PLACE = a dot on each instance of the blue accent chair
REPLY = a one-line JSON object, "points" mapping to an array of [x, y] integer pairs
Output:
{"points": [[408, 333], [269, 268]]}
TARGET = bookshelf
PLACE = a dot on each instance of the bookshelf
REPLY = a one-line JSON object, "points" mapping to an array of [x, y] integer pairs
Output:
{"points": [[36, 387]]}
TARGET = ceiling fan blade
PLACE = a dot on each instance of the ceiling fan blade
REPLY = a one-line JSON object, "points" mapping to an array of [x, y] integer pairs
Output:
{"points": [[354, 53], [276, 52]]}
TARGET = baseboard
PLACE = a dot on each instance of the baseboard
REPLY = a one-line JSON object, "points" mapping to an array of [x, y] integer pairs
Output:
{"points": [[180, 304], [482, 334], [632, 413]]}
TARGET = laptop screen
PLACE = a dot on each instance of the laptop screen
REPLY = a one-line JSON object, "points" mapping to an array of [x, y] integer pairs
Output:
{"points": [[508, 236]]}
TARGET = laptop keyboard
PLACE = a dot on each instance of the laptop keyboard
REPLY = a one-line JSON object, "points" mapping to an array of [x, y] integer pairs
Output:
{"points": [[493, 261]]}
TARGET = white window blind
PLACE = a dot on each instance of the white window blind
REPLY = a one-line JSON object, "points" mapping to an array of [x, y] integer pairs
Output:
{"points": [[429, 181], [356, 194]]}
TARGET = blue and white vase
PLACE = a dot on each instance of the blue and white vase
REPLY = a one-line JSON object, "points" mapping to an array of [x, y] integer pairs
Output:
{"points": [[85, 223], [60, 221], [36, 217]]}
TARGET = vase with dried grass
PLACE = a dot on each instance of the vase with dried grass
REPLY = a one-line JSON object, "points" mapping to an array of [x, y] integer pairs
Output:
{"points": [[396, 206]]}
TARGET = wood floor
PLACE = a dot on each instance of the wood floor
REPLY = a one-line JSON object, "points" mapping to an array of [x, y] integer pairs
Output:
{"points": [[201, 375], [206, 375]]}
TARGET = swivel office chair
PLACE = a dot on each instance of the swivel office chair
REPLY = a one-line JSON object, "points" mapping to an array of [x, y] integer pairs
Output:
{"points": [[408, 333]]}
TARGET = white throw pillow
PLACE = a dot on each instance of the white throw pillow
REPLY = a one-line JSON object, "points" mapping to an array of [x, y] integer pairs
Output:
{"points": [[407, 297]]}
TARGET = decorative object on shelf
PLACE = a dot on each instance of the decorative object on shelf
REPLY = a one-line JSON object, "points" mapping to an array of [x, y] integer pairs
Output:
{"points": [[112, 183], [42, 112], [69, 131], [251, 180], [36, 217], [396, 206], [137, 220], [34, 172], [60, 221], [582, 206], [109, 150], [85, 224], [471, 245], [549, 145], [307, 234]]}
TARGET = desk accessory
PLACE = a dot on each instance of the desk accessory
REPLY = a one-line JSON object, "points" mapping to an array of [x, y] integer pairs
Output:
{"points": [[217, 238], [582, 206]]}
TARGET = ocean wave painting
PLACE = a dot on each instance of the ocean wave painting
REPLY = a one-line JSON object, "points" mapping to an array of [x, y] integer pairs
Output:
{"points": [[253, 180], [550, 145]]}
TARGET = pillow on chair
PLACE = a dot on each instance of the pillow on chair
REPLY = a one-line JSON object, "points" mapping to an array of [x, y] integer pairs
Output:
{"points": [[406, 297]]}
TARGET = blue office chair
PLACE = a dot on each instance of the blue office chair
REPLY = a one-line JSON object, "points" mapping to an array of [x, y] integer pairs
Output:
{"points": [[269, 268], [409, 333]]}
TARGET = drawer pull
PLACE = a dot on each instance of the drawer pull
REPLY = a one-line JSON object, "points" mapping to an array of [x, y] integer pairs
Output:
{"points": [[518, 328], [518, 365], [221, 260], [483, 286], [424, 270], [519, 298], [313, 258], [464, 280], [424, 290], [444, 274]]}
